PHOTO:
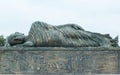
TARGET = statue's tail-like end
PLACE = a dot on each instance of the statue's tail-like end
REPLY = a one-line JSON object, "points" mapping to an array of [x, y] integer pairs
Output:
{"points": [[115, 41]]}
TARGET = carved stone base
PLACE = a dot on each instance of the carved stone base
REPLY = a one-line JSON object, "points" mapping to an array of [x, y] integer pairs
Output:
{"points": [[59, 60]]}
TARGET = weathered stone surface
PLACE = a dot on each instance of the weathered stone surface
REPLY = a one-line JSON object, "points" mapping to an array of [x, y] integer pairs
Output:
{"points": [[15, 38], [58, 60], [69, 35]]}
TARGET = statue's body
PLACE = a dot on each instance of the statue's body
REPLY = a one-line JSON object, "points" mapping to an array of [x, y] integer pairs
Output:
{"points": [[70, 35]]}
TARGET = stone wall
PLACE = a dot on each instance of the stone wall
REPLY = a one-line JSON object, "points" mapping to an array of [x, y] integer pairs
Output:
{"points": [[57, 60]]}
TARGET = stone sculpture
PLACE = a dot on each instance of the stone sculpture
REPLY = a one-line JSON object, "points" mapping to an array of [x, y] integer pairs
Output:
{"points": [[69, 35], [18, 39]]}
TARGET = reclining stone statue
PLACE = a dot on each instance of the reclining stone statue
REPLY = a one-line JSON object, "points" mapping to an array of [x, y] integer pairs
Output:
{"points": [[69, 35]]}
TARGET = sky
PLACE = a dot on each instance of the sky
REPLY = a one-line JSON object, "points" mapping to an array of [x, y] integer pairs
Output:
{"points": [[101, 16]]}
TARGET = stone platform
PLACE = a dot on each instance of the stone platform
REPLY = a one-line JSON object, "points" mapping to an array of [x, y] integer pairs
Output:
{"points": [[58, 60]]}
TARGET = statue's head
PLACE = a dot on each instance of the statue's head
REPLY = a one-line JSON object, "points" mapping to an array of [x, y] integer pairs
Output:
{"points": [[16, 38]]}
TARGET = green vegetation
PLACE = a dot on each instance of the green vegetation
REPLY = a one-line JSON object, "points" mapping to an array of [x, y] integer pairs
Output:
{"points": [[2, 40]]}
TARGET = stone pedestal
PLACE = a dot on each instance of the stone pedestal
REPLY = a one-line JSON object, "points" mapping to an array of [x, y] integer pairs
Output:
{"points": [[59, 60]]}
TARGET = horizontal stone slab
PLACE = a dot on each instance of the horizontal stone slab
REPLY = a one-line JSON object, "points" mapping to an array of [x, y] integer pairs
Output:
{"points": [[59, 60], [59, 48]]}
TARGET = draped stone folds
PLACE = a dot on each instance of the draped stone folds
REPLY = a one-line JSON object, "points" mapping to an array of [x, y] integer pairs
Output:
{"points": [[68, 35]]}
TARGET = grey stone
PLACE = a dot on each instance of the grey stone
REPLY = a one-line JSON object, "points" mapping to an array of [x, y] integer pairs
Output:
{"points": [[69, 35], [16, 38], [55, 61]]}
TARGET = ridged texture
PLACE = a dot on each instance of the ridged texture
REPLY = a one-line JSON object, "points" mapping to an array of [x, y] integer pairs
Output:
{"points": [[69, 35]]}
